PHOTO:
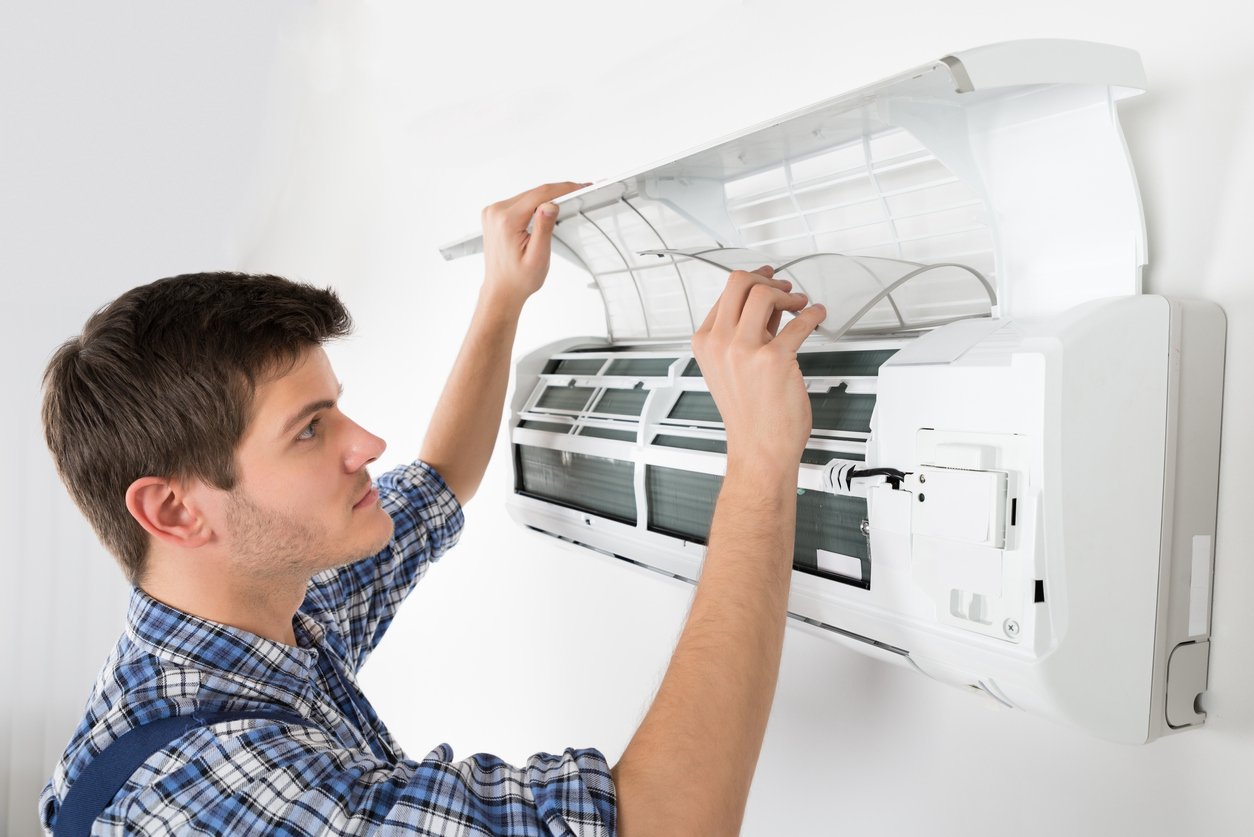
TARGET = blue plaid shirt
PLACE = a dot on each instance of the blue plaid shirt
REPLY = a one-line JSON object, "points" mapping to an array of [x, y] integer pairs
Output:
{"points": [[343, 775]]}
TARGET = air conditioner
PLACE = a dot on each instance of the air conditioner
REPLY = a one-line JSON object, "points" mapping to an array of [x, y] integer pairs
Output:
{"points": [[1011, 481]]}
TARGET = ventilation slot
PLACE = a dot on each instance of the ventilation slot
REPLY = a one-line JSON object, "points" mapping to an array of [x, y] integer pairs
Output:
{"points": [[605, 487], [829, 527], [568, 399]]}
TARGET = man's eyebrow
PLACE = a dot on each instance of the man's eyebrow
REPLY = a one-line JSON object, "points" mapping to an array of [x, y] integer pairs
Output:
{"points": [[309, 409]]}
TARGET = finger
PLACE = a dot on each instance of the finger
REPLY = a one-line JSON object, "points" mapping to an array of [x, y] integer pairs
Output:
{"points": [[712, 314], [523, 206], [547, 191], [732, 301], [708, 322], [540, 244], [769, 272], [772, 325], [791, 336], [763, 304]]}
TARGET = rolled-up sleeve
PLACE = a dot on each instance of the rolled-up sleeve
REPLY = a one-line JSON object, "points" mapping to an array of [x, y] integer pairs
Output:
{"points": [[310, 788], [559, 795]]}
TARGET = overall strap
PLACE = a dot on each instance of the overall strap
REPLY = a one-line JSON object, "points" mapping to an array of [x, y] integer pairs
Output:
{"points": [[105, 775]]}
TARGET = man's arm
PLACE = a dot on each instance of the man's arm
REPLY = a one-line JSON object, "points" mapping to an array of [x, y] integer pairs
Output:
{"points": [[688, 768], [467, 418]]}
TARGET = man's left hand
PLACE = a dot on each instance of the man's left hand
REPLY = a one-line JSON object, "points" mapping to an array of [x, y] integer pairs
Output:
{"points": [[517, 259]]}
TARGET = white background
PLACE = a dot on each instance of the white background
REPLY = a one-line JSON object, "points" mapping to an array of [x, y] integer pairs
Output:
{"points": [[342, 143]]}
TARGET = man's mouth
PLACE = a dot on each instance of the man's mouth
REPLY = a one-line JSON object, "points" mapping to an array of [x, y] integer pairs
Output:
{"points": [[371, 496]]}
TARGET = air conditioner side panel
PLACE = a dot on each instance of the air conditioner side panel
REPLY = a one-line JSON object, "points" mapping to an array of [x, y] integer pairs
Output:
{"points": [[1087, 394]]}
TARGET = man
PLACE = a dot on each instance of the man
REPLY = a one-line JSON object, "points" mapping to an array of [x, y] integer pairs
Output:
{"points": [[196, 423]]}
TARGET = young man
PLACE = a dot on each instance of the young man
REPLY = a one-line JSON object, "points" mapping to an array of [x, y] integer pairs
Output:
{"points": [[195, 421]]}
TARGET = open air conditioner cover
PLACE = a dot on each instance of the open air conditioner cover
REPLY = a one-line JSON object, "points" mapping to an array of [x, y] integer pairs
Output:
{"points": [[1007, 160]]}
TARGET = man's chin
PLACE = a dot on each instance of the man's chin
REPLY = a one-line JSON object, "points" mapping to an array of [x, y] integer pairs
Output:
{"points": [[374, 545], [385, 538]]}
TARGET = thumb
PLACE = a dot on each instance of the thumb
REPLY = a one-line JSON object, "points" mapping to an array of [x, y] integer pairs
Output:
{"points": [[541, 242]]}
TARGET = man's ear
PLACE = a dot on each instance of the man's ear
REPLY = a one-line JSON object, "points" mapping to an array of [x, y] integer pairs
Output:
{"points": [[167, 510]]}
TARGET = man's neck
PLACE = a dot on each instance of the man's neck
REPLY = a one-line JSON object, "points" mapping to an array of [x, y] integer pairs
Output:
{"points": [[265, 608]]}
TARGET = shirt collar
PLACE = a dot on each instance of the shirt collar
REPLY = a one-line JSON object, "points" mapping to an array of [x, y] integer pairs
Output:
{"points": [[235, 653]]}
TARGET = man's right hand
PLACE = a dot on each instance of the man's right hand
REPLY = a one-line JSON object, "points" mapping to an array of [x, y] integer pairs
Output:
{"points": [[752, 370], [688, 768]]}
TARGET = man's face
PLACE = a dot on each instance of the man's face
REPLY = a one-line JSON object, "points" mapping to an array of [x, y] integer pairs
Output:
{"points": [[303, 501]]}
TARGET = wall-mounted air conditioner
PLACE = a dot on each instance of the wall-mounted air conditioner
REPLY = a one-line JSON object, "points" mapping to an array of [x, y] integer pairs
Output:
{"points": [[1011, 481]]}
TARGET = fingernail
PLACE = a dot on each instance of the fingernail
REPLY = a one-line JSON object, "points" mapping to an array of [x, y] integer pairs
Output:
{"points": [[549, 209]]}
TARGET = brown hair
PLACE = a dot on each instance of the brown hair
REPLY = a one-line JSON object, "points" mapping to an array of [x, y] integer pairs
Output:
{"points": [[161, 381]]}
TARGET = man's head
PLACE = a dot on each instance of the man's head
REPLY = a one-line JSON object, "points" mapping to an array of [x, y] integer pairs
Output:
{"points": [[201, 410]]}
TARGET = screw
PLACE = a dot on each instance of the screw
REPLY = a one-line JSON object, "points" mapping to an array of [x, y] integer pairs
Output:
{"points": [[865, 528], [922, 478], [921, 496], [1011, 627]]}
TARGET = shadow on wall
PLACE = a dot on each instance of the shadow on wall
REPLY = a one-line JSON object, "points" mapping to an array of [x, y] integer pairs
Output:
{"points": [[1203, 254]]}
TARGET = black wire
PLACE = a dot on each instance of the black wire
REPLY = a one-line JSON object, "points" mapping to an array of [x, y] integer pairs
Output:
{"points": [[877, 472], [891, 475]]}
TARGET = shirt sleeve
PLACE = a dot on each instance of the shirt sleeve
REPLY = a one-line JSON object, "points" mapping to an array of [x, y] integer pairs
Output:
{"points": [[361, 598], [272, 778]]}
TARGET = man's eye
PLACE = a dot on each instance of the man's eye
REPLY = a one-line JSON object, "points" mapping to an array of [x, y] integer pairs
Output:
{"points": [[309, 431]]}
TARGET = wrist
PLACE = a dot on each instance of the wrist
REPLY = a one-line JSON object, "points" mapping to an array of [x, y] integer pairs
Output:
{"points": [[766, 476], [499, 301]]}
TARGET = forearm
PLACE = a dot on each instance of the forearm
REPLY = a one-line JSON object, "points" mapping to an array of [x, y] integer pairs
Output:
{"points": [[463, 430], [517, 240], [688, 768]]}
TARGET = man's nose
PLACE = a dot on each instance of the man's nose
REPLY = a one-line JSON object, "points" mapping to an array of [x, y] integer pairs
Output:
{"points": [[364, 448]]}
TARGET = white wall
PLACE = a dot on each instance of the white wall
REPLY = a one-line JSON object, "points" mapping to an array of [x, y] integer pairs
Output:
{"points": [[386, 128], [129, 135]]}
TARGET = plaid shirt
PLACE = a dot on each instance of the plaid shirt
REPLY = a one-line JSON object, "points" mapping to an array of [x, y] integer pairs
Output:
{"points": [[343, 775]]}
